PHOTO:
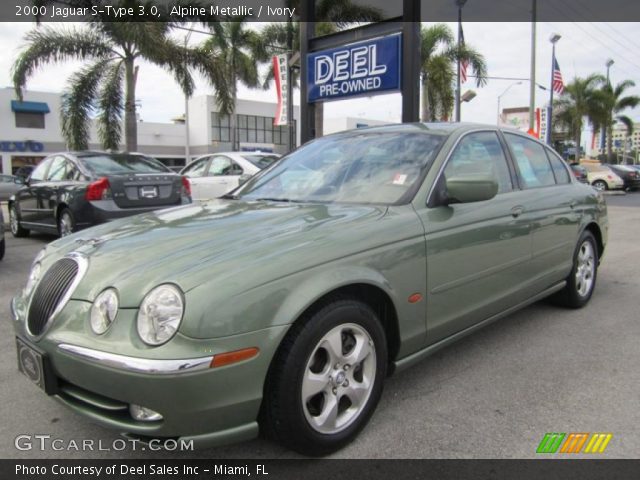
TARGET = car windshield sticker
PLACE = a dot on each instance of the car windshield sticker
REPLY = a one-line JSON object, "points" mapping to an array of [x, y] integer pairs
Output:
{"points": [[399, 179]]}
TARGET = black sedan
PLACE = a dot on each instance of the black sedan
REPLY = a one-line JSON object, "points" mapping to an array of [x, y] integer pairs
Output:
{"points": [[630, 176], [71, 191], [580, 172]]}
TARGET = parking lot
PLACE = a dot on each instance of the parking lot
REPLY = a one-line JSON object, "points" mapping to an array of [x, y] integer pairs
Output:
{"points": [[493, 395]]}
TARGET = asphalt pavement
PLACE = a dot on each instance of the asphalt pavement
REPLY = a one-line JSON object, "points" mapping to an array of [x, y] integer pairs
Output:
{"points": [[492, 395]]}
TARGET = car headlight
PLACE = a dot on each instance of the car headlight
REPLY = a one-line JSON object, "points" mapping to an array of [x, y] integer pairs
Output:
{"points": [[34, 276], [104, 311], [160, 314], [34, 273]]}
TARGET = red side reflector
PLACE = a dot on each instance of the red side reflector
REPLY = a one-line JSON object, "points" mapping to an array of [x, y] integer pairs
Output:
{"points": [[223, 359], [415, 298]]}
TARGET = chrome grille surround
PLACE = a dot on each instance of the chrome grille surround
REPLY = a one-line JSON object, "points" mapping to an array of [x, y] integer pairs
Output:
{"points": [[53, 291]]}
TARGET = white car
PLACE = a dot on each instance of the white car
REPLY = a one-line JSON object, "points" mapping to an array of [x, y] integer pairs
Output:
{"points": [[602, 177], [215, 174]]}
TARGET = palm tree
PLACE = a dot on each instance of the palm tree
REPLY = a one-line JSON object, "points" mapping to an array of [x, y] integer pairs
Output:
{"points": [[331, 14], [438, 54], [611, 103], [578, 100], [239, 49], [107, 85]]}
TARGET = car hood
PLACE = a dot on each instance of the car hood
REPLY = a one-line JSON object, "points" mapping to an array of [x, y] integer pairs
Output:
{"points": [[219, 240]]}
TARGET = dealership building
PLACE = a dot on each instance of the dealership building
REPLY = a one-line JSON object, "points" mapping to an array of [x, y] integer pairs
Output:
{"points": [[30, 130]]}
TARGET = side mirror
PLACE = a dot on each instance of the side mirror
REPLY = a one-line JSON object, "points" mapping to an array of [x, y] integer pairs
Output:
{"points": [[471, 188], [243, 178]]}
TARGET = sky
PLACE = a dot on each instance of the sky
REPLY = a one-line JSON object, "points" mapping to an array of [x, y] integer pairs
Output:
{"points": [[583, 49]]}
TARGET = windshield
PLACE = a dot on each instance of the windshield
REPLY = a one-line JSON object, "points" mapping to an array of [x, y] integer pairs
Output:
{"points": [[373, 167], [112, 164]]}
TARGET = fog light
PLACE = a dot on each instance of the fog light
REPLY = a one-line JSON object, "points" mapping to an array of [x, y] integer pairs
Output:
{"points": [[143, 414]]}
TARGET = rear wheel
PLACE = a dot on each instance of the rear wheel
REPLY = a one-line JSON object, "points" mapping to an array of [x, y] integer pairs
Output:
{"points": [[326, 378], [14, 221], [66, 223], [582, 280], [600, 185]]}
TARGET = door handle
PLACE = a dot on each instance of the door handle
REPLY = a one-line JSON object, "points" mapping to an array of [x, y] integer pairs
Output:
{"points": [[517, 211], [573, 204]]}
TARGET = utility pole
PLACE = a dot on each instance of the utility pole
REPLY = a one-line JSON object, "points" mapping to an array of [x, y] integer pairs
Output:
{"points": [[187, 153], [460, 4], [554, 39], [532, 89], [603, 134]]}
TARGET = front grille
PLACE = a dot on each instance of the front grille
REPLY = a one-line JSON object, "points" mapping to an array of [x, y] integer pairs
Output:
{"points": [[49, 293]]}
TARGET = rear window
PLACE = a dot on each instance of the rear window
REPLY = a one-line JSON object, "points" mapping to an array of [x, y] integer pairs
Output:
{"points": [[261, 161], [123, 164]]}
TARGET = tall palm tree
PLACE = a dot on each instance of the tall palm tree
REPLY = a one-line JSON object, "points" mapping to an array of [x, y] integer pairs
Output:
{"points": [[332, 16], [577, 102], [107, 84], [438, 54], [611, 102], [239, 49]]}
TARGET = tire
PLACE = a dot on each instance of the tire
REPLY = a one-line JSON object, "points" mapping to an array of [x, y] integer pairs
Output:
{"points": [[582, 280], [14, 220], [66, 223], [1, 249], [308, 379], [600, 185]]}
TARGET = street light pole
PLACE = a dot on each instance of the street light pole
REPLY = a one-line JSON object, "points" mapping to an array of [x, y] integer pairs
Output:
{"points": [[603, 134], [554, 39], [532, 89], [501, 95], [187, 153], [460, 4]]}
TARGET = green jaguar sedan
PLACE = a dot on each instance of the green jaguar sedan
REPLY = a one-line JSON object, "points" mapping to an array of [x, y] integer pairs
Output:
{"points": [[280, 308]]}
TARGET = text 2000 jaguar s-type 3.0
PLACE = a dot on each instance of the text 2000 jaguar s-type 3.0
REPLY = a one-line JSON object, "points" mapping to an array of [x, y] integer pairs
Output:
{"points": [[284, 306]]}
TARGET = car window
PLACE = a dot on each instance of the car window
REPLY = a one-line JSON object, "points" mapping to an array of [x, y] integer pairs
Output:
{"points": [[221, 166], [197, 168], [558, 167], [533, 164], [59, 169], [39, 172], [121, 164], [480, 153]]}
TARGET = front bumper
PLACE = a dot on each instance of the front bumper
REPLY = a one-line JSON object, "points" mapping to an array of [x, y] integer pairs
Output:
{"points": [[210, 406]]}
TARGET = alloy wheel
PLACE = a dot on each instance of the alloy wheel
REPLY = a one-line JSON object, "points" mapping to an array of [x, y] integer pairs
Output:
{"points": [[338, 378], [585, 269]]}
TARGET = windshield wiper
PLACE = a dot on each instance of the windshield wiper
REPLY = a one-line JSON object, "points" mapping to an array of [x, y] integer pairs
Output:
{"points": [[269, 199], [230, 196]]}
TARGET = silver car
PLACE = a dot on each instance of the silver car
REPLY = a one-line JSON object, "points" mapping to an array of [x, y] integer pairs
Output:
{"points": [[9, 185]]}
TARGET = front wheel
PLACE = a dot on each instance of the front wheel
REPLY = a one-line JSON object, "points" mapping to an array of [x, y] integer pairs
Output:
{"points": [[582, 279], [326, 379]]}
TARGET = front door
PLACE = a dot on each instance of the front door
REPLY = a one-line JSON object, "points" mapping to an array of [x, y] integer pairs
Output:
{"points": [[478, 254]]}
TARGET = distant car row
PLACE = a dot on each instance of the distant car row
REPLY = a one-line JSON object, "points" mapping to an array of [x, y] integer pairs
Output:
{"points": [[71, 191], [608, 177]]}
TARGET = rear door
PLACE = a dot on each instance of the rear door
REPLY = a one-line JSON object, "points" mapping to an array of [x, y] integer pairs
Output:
{"points": [[551, 200], [478, 253], [222, 177]]}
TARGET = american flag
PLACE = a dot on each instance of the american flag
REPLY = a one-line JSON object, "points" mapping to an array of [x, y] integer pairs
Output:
{"points": [[464, 64], [558, 84]]}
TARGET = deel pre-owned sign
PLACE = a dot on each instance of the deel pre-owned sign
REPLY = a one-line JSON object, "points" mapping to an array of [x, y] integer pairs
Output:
{"points": [[363, 68]]}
